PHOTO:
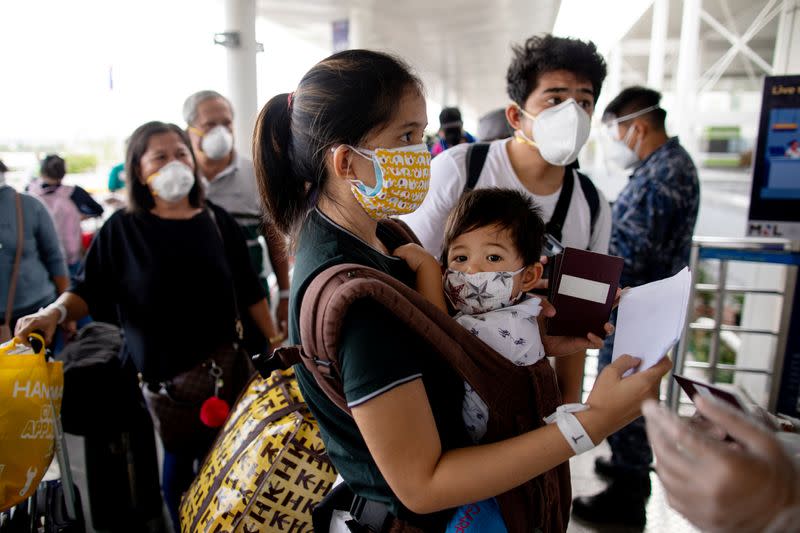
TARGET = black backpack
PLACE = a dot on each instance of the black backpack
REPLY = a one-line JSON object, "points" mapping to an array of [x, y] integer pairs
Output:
{"points": [[476, 158]]}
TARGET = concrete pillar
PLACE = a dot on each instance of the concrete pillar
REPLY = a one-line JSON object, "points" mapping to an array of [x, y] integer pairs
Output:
{"points": [[658, 44], [787, 43], [687, 74], [360, 24], [613, 85], [240, 17]]}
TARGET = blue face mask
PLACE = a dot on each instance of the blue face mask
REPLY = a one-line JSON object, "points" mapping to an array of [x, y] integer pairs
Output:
{"points": [[363, 188]]}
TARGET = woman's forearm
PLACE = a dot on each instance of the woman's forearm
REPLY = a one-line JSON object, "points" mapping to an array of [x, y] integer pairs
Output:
{"points": [[260, 314], [76, 306], [61, 283], [407, 449], [569, 373]]}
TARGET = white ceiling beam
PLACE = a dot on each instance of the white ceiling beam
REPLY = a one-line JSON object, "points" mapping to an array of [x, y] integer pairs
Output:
{"points": [[642, 47], [785, 58], [731, 21], [737, 42]]}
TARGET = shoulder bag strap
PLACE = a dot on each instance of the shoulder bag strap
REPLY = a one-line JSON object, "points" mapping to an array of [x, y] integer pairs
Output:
{"points": [[555, 225], [12, 287], [239, 327]]}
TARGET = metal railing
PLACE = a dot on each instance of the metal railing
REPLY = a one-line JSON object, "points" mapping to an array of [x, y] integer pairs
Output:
{"points": [[771, 251]]}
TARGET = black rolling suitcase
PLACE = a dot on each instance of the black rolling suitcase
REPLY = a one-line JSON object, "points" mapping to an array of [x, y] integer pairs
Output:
{"points": [[45, 512], [103, 402], [122, 477]]}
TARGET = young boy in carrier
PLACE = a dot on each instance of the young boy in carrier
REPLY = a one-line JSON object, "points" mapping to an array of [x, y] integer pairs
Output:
{"points": [[492, 244]]}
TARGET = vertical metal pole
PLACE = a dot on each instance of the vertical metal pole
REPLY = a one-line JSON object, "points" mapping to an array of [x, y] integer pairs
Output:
{"points": [[658, 44], [687, 73], [789, 290], [673, 391], [719, 309], [240, 16]]}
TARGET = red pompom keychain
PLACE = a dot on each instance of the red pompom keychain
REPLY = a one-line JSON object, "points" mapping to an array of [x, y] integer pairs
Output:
{"points": [[214, 410]]}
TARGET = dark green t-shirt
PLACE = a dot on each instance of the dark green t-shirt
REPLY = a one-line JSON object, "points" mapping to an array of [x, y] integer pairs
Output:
{"points": [[377, 353]]}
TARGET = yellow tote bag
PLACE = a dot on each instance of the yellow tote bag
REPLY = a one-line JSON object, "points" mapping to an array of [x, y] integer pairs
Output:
{"points": [[268, 468], [30, 399]]}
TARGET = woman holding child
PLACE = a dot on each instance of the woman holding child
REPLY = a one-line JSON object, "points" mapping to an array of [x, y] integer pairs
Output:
{"points": [[325, 156]]}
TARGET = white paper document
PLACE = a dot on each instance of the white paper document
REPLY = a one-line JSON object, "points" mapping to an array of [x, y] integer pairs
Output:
{"points": [[650, 318]]}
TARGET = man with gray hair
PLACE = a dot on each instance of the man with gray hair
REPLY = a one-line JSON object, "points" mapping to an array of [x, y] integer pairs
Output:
{"points": [[230, 183]]}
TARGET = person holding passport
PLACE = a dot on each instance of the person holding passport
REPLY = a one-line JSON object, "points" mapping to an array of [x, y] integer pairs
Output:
{"points": [[553, 84], [492, 246], [653, 222]]}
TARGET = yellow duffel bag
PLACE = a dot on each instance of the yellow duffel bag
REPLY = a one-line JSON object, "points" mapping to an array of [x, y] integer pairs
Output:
{"points": [[268, 468]]}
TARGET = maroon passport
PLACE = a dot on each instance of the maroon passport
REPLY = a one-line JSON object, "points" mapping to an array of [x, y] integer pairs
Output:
{"points": [[582, 290]]}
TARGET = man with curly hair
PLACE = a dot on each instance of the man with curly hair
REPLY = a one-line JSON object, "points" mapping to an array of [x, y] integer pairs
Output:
{"points": [[553, 84]]}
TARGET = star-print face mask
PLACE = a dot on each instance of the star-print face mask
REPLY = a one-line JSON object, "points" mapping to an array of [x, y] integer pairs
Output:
{"points": [[480, 292]]}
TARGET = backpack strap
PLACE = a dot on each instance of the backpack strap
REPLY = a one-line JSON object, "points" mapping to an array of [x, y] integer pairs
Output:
{"points": [[476, 158], [592, 197], [555, 225]]}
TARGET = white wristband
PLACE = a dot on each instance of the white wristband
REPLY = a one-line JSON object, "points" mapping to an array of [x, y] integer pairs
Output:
{"points": [[283, 293], [573, 431], [62, 311]]}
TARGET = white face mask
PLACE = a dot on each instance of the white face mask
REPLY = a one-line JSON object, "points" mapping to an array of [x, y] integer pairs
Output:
{"points": [[172, 182], [217, 143], [618, 151], [480, 292], [558, 132]]}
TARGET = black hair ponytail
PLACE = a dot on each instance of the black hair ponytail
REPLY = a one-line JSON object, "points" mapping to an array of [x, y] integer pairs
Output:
{"points": [[282, 192]]}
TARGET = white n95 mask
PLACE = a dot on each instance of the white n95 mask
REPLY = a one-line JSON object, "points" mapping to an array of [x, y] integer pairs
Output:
{"points": [[558, 132], [172, 182], [480, 292], [217, 142]]}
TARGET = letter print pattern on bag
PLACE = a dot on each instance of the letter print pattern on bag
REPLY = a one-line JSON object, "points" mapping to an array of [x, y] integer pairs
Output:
{"points": [[268, 469]]}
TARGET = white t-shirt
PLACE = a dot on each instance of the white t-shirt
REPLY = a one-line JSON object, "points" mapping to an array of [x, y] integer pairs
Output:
{"points": [[449, 175]]}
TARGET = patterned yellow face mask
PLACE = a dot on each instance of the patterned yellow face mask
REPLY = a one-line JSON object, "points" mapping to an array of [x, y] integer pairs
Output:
{"points": [[402, 176]]}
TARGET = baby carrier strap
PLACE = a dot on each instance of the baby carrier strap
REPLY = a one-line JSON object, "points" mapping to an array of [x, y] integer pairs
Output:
{"points": [[518, 397]]}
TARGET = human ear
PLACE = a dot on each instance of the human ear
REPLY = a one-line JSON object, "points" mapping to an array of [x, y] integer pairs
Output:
{"points": [[514, 116], [530, 276], [341, 163]]}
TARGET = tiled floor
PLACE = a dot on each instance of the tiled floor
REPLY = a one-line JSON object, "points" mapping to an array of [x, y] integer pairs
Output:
{"points": [[660, 516]]}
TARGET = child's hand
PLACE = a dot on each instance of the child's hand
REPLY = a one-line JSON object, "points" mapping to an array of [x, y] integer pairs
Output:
{"points": [[416, 257]]}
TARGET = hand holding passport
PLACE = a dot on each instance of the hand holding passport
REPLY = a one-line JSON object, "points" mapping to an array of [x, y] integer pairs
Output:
{"points": [[582, 290]]}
